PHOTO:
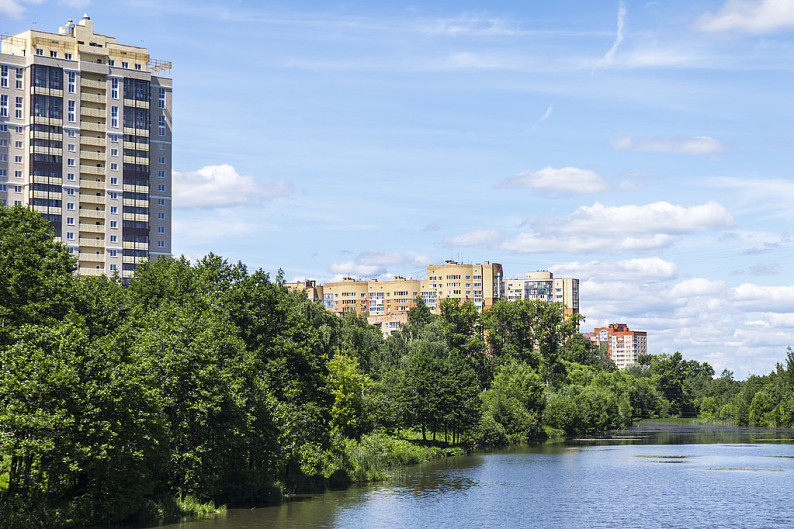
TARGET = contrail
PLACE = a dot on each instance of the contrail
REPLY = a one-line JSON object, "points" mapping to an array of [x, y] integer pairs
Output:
{"points": [[543, 118], [618, 38]]}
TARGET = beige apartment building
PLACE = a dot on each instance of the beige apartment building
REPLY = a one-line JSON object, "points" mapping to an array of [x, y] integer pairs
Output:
{"points": [[542, 285], [482, 284], [313, 291], [85, 140], [624, 346]]}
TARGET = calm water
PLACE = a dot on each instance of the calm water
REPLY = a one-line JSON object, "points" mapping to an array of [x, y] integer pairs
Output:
{"points": [[648, 476]]}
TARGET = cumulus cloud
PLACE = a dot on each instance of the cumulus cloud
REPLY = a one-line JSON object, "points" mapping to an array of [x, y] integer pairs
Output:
{"points": [[701, 145], [601, 228], [375, 264], [756, 17], [764, 298], [697, 287], [563, 180], [221, 186], [15, 8], [472, 238], [639, 270]]}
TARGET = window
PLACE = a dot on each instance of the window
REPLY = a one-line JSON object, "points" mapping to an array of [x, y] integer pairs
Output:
{"points": [[70, 191], [70, 162], [3, 128], [17, 159], [161, 100], [3, 157], [72, 79], [114, 209], [113, 195], [17, 174], [69, 236], [18, 107], [70, 113], [112, 253], [113, 181], [114, 152], [162, 146], [114, 88], [125, 64], [3, 106], [67, 56], [3, 188], [20, 78], [4, 173], [160, 229], [114, 167], [4, 75], [114, 224], [161, 202], [161, 125], [4, 143], [71, 147], [71, 133], [161, 187], [18, 144], [114, 117], [114, 238], [54, 54], [39, 51], [17, 189], [114, 138], [138, 66], [161, 174], [17, 202], [70, 206], [162, 159], [70, 177], [111, 62], [161, 216], [161, 244], [70, 221], [114, 267]]}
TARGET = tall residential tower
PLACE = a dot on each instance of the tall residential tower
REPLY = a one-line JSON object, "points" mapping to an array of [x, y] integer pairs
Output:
{"points": [[85, 140]]}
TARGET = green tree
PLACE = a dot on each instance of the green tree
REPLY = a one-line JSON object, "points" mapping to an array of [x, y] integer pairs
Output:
{"points": [[348, 387], [516, 402]]}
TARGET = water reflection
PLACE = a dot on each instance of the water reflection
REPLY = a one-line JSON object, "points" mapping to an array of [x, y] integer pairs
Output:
{"points": [[721, 477]]}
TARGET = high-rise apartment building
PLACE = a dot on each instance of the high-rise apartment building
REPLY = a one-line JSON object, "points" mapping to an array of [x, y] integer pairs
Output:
{"points": [[623, 345], [545, 287], [85, 140], [479, 283]]}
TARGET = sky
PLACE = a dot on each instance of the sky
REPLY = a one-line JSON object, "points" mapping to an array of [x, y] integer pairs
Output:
{"points": [[642, 147]]}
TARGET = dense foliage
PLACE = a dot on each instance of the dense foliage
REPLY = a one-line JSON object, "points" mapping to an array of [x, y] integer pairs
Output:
{"points": [[206, 382]]}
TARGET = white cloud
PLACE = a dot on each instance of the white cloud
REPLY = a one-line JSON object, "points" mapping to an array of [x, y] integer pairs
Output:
{"points": [[764, 298], [468, 25], [565, 179], [650, 269], [376, 264], [221, 185], [542, 118], [750, 16], [472, 238], [611, 229], [697, 287], [610, 54], [692, 145], [16, 8]]}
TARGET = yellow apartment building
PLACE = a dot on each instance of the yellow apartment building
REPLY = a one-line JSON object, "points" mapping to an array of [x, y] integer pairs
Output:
{"points": [[542, 285], [479, 283]]}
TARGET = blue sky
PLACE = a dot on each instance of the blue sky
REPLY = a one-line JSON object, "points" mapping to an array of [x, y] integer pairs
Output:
{"points": [[643, 147]]}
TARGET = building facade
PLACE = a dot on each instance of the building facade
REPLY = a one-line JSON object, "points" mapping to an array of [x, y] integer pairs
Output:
{"points": [[544, 286], [85, 140], [482, 284], [624, 346]]}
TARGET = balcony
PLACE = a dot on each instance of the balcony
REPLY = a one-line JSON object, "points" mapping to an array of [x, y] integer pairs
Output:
{"points": [[92, 83], [91, 169], [136, 217], [136, 132], [92, 199], [92, 155], [91, 242], [135, 103], [88, 183], [93, 112], [92, 228], [136, 189], [93, 126], [92, 140], [91, 214], [93, 98], [47, 91]]}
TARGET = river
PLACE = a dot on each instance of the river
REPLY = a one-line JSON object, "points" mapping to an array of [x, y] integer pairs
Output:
{"points": [[650, 476]]}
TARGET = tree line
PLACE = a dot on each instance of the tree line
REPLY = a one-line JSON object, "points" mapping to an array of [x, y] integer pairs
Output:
{"points": [[211, 382]]}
